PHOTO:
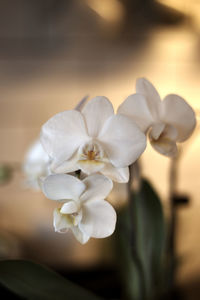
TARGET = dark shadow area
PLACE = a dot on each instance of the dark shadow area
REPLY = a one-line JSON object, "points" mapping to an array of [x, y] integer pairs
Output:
{"points": [[104, 282]]}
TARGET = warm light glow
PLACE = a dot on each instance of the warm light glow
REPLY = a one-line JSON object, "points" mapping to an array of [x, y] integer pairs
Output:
{"points": [[190, 8], [176, 4], [111, 10]]}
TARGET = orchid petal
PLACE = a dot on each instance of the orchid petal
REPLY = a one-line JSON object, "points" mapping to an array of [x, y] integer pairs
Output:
{"points": [[61, 222], [90, 166], [146, 88], [62, 186], [96, 112], [97, 187], [165, 146], [178, 113], [36, 154], [156, 130], [99, 219], [120, 175], [81, 236], [62, 135], [122, 140], [66, 166], [69, 207], [170, 132], [136, 107], [35, 165]]}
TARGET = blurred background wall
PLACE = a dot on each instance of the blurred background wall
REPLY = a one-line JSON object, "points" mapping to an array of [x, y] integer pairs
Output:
{"points": [[52, 53]]}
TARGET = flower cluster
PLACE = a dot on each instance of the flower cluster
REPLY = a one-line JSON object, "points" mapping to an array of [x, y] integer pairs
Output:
{"points": [[101, 146]]}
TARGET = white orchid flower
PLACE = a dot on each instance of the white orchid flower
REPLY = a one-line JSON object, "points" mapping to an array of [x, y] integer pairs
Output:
{"points": [[93, 140], [84, 211], [36, 165], [166, 122], [37, 161]]}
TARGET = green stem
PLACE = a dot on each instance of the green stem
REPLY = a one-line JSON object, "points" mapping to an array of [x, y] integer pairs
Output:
{"points": [[133, 233], [173, 219]]}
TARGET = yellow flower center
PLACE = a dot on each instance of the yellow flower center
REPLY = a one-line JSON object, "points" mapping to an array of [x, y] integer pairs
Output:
{"points": [[91, 152]]}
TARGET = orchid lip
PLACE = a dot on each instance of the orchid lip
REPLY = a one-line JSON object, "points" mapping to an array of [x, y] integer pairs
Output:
{"points": [[72, 218], [91, 153], [162, 131]]}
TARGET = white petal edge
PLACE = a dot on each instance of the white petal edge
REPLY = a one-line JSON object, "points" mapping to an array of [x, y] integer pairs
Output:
{"points": [[120, 175], [35, 165], [90, 166], [122, 140], [69, 207], [156, 130], [178, 113], [136, 107], [81, 236], [62, 135], [62, 186], [99, 219], [60, 222], [66, 166], [36, 154], [146, 88], [97, 187], [96, 112], [167, 148]]}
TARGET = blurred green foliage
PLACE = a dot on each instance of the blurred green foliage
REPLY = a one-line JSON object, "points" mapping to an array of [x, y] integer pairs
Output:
{"points": [[142, 238], [33, 281], [5, 173]]}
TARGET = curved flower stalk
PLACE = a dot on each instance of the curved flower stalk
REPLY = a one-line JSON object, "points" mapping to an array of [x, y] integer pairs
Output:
{"points": [[84, 211], [93, 140], [36, 165], [166, 122]]}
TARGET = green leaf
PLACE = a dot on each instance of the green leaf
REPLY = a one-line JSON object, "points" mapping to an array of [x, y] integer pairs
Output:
{"points": [[33, 281], [150, 235], [141, 236], [128, 269]]}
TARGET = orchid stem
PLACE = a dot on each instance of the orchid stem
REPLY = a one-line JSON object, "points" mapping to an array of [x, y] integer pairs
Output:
{"points": [[133, 233], [173, 217]]}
